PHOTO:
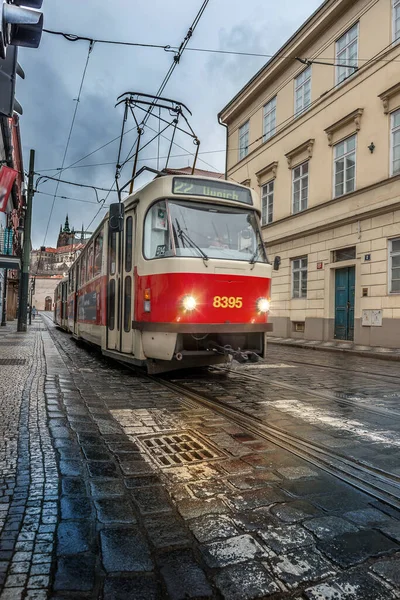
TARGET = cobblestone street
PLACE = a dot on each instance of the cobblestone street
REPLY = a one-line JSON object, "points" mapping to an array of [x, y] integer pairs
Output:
{"points": [[116, 486]]}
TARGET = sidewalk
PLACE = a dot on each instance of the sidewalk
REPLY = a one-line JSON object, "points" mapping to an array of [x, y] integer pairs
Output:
{"points": [[340, 346]]}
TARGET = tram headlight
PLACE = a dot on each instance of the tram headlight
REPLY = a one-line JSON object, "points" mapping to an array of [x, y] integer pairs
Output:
{"points": [[189, 303], [263, 305]]}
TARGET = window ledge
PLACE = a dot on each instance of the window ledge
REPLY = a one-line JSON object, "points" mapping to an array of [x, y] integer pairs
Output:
{"points": [[345, 127]]}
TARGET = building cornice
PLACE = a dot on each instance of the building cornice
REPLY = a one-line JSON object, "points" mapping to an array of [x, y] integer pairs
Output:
{"points": [[352, 218]]}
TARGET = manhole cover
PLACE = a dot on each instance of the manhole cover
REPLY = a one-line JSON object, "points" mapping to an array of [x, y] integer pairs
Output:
{"points": [[12, 362], [179, 448]]}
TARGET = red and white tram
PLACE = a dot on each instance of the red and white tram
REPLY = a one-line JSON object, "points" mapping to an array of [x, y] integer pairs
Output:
{"points": [[186, 281]]}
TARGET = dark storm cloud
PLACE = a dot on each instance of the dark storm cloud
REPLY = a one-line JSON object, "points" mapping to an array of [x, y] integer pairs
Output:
{"points": [[204, 82]]}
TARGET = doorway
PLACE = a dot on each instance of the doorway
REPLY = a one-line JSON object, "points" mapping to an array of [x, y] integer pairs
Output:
{"points": [[345, 280], [48, 303]]}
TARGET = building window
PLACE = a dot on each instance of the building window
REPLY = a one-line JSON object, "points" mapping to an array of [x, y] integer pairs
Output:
{"points": [[345, 167], [267, 203], [244, 140], [394, 265], [396, 20], [299, 277], [344, 254], [395, 143], [347, 54], [302, 91], [300, 187], [269, 120]]}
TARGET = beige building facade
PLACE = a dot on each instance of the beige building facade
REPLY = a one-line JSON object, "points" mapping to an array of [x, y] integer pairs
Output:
{"points": [[43, 296], [319, 138]]}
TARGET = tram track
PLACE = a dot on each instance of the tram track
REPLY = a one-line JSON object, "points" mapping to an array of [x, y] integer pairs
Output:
{"points": [[368, 375], [378, 484], [317, 393], [381, 485]]}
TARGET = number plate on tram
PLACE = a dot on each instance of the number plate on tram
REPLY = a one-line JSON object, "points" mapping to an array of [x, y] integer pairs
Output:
{"points": [[228, 302]]}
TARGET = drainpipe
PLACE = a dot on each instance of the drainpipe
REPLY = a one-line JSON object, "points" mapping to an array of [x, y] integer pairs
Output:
{"points": [[226, 145]]}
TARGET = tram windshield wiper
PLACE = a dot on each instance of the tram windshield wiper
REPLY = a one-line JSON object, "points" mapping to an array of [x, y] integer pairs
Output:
{"points": [[184, 237], [254, 256]]}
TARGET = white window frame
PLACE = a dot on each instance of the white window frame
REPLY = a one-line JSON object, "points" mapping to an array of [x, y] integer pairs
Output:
{"points": [[343, 60], [395, 38], [269, 114], [302, 269], [345, 156], [300, 179], [391, 254], [244, 131], [393, 130], [267, 199], [301, 87]]}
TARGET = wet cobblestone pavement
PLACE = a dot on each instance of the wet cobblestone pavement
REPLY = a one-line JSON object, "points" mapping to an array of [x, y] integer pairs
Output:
{"points": [[115, 487]]}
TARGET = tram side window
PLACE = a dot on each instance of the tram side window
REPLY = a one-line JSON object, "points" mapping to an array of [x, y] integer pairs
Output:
{"points": [[127, 303], [111, 304], [98, 254], [83, 270], [112, 246], [72, 280], [157, 240], [128, 244], [77, 276], [90, 262]]}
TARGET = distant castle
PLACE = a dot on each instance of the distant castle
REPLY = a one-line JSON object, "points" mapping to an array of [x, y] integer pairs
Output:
{"points": [[67, 237]]}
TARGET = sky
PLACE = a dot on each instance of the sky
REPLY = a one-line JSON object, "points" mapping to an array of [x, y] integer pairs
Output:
{"points": [[204, 82]]}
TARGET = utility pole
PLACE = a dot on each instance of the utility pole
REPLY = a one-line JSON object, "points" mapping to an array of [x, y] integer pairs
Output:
{"points": [[24, 279]]}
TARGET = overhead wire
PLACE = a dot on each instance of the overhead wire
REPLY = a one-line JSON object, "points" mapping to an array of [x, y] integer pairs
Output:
{"points": [[168, 75], [73, 37], [175, 63], [168, 48], [91, 45], [67, 198]]}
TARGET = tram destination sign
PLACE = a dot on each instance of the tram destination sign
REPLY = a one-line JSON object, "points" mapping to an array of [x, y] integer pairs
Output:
{"points": [[212, 189]]}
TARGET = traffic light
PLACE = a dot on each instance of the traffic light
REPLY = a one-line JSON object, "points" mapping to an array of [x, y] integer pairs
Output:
{"points": [[19, 24], [9, 69]]}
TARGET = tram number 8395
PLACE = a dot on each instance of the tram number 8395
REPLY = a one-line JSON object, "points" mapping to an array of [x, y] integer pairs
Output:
{"points": [[228, 302]]}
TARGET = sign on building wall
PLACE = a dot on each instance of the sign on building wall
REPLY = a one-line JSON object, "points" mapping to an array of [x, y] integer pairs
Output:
{"points": [[371, 318], [7, 178]]}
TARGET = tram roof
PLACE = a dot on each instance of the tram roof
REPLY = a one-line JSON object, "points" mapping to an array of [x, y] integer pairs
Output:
{"points": [[162, 187]]}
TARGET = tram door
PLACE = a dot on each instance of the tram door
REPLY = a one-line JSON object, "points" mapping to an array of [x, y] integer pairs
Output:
{"points": [[113, 290], [127, 283]]}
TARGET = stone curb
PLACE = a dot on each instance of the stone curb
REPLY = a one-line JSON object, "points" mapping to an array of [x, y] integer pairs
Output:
{"points": [[379, 355]]}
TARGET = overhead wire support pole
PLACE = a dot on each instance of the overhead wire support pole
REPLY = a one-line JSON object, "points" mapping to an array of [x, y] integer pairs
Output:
{"points": [[24, 279]]}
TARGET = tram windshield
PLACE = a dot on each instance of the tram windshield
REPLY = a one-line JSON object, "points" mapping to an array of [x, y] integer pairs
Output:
{"points": [[176, 228]]}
